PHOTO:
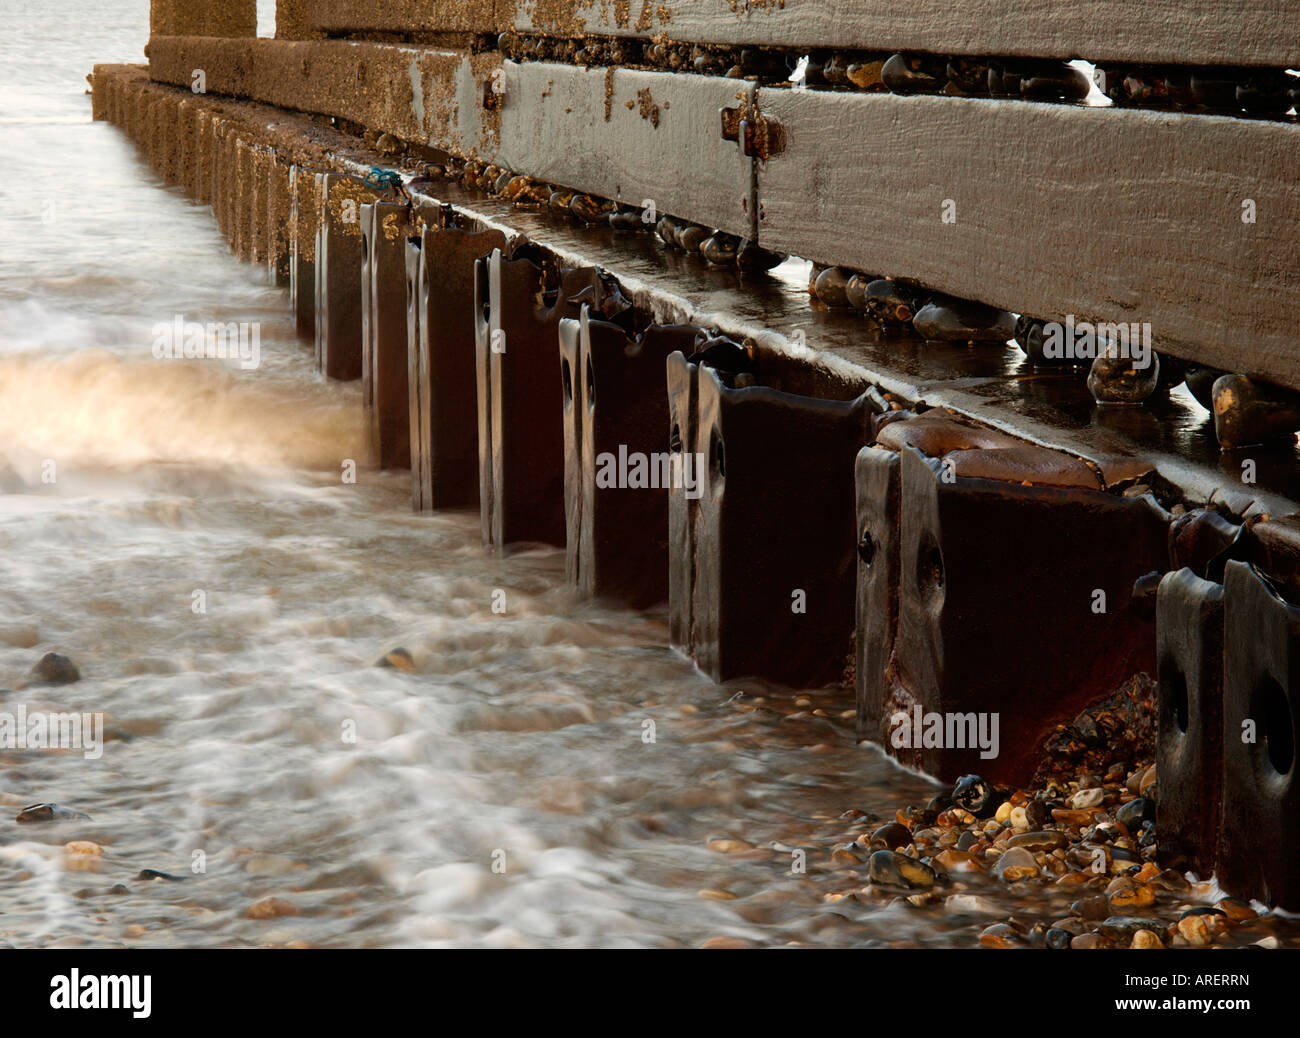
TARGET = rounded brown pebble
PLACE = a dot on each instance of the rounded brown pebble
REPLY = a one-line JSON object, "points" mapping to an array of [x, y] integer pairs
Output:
{"points": [[271, 908]]}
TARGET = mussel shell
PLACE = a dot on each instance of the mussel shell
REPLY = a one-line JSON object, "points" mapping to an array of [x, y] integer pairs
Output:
{"points": [[832, 286], [692, 236], [914, 74], [720, 249], [559, 201]]}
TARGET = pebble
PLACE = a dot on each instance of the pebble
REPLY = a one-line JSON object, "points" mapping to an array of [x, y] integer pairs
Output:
{"points": [[1000, 935], [727, 942], [1058, 939], [1117, 380], [1135, 812], [975, 795], [889, 868], [1194, 930], [1095, 908], [1146, 939], [271, 908], [1091, 940], [83, 856], [150, 874], [1046, 840], [398, 659], [1134, 897], [50, 813], [1016, 863], [890, 837], [960, 320], [717, 895], [53, 669], [1086, 799], [727, 845], [1237, 911], [970, 903]]}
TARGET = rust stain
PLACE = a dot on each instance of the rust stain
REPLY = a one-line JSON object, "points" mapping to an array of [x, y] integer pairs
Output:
{"points": [[649, 110]]}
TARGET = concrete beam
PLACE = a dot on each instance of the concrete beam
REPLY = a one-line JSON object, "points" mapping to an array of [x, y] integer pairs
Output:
{"points": [[203, 18]]}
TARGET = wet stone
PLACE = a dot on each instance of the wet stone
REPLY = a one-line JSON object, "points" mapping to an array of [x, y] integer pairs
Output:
{"points": [[1058, 939], [974, 794], [945, 319], [890, 837], [1122, 928], [1016, 863], [1200, 383], [914, 74], [867, 75], [1047, 840], [1215, 90], [752, 256], [1086, 799], [968, 77], [1119, 380], [831, 286], [888, 302], [692, 236], [1135, 812], [892, 869], [1050, 82], [153, 874], [271, 908], [53, 669], [50, 813], [1146, 939], [591, 209], [720, 249], [1247, 411], [398, 659], [626, 220], [1094, 908]]}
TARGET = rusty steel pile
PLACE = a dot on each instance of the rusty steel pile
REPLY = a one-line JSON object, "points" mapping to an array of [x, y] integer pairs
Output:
{"points": [[808, 519]]}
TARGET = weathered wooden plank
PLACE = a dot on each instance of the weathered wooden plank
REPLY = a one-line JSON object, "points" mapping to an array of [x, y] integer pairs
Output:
{"points": [[1231, 32], [631, 136], [410, 16], [434, 97], [1109, 215]]}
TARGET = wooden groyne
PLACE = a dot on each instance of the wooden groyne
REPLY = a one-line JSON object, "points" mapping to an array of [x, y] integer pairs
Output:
{"points": [[821, 484]]}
